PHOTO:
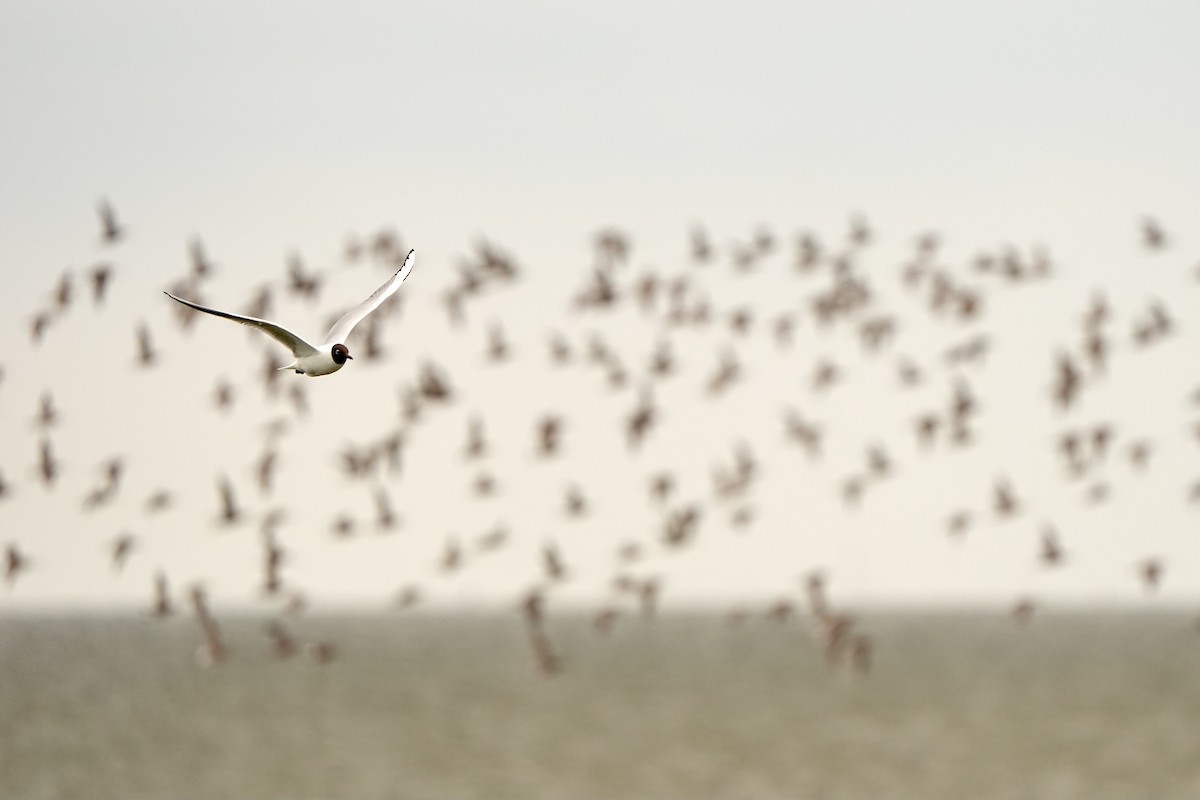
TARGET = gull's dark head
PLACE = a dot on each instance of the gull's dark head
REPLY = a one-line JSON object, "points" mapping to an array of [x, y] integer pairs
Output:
{"points": [[340, 354]]}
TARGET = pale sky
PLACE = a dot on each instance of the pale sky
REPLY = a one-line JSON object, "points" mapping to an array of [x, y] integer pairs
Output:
{"points": [[287, 127]]}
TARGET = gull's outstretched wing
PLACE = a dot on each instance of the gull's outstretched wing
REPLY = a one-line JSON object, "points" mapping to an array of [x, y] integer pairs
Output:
{"points": [[291, 341], [341, 329]]}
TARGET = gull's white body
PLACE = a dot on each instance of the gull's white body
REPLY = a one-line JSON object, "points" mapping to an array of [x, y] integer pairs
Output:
{"points": [[330, 355], [318, 363]]}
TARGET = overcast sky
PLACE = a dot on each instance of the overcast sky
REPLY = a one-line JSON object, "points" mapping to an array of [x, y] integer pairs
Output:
{"points": [[270, 129]]}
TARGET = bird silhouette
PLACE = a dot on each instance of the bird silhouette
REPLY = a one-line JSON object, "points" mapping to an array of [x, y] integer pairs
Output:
{"points": [[212, 651], [282, 643], [1051, 552], [162, 605], [121, 549], [48, 466], [100, 277], [230, 513], [1151, 570], [1153, 236], [202, 267], [111, 231], [146, 354], [15, 562]]}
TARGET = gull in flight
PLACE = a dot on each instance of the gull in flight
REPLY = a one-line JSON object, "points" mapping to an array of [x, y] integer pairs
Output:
{"points": [[332, 354]]}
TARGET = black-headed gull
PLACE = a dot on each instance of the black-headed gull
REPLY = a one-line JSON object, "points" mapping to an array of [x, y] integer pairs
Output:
{"points": [[332, 354]]}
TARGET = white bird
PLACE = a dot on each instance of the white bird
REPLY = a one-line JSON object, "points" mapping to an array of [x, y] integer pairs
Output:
{"points": [[332, 354]]}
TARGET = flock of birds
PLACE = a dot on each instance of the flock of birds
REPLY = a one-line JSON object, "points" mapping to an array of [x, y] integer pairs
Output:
{"points": [[838, 298]]}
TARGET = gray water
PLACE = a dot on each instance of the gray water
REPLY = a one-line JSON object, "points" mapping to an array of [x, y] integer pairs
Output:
{"points": [[955, 706]]}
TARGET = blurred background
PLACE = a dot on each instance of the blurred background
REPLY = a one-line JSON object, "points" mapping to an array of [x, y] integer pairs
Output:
{"points": [[771, 378]]}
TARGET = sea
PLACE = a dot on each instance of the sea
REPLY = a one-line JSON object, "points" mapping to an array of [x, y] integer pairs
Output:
{"points": [[682, 705]]}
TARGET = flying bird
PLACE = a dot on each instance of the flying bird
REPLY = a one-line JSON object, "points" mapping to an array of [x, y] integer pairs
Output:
{"points": [[111, 231], [100, 274], [332, 354], [121, 548], [146, 353], [14, 563], [162, 597]]}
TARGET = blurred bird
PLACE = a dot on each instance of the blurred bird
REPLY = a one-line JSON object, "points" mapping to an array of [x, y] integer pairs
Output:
{"points": [[1153, 236], [48, 467], [549, 435], [100, 275], [300, 282], [47, 415], [958, 523], [273, 558], [1004, 502], [560, 349], [825, 374], [927, 427], [202, 267], [662, 362], [1151, 571], [604, 619], [498, 349], [612, 248], [146, 354], [494, 539], [860, 653], [265, 469], [640, 420], [385, 515], [662, 485], [1022, 611], [408, 597], [162, 606], [860, 231], [158, 501], [576, 504], [1067, 381], [282, 643], [1139, 454], [111, 231], [548, 662], [213, 650], [323, 652], [223, 395], [63, 292], [484, 484], [122, 547], [476, 446], [728, 370], [648, 592], [552, 561], [15, 562], [38, 326], [297, 394], [879, 463], [680, 525], [701, 247], [802, 432], [230, 513], [432, 384], [452, 555], [908, 373], [1051, 550], [343, 526]]}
